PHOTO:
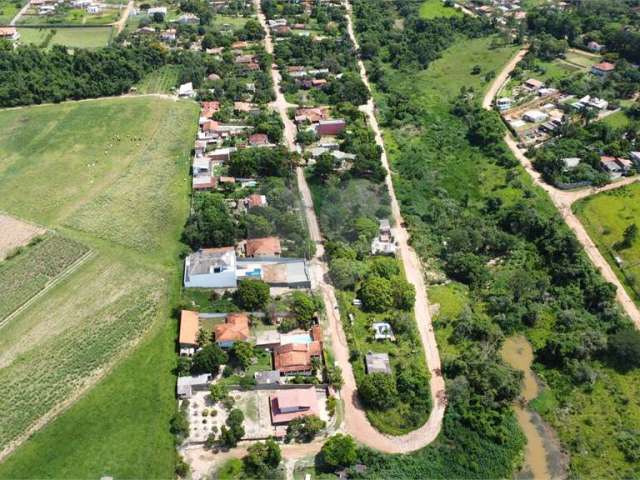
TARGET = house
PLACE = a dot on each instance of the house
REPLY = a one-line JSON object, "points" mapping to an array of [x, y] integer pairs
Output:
{"points": [[235, 329], [277, 22], [94, 9], [297, 358], [209, 108], [244, 59], [318, 82], [635, 156], [616, 167], [186, 90], [533, 84], [263, 247], [268, 339], [259, 140], [168, 35], [330, 127], [161, 10], [188, 338], [221, 154], [570, 163], [204, 183], [384, 243], [241, 45], [47, 10], [146, 30], [287, 405], [534, 116], [383, 331], [270, 377], [186, 385], [255, 200], [603, 69], [594, 46], [503, 103], [201, 166], [590, 102], [311, 115], [188, 19], [81, 3], [378, 363], [246, 107], [211, 268], [9, 33]]}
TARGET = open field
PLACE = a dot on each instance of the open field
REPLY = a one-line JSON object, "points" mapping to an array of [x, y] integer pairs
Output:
{"points": [[435, 8], [9, 9], [15, 234], [70, 16], [606, 216], [46, 37], [162, 80], [27, 273], [116, 183]]}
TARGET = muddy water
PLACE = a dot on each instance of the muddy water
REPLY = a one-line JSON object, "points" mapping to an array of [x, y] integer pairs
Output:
{"points": [[542, 451]]}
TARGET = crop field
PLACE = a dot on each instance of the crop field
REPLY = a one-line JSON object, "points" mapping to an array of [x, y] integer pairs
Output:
{"points": [[606, 216], [161, 80], [24, 275], [15, 234], [116, 172]]}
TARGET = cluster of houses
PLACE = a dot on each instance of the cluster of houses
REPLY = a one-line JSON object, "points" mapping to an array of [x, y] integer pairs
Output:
{"points": [[49, 7], [535, 111]]}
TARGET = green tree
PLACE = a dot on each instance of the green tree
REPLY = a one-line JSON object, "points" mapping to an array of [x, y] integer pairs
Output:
{"points": [[404, 293], [339, 451], [233, 431], [345, 272], [323, 168], [218, 391], [305, 429], [376, 294], [365, 226], [210, 224], [624, 348], [243, 353], [209, 359], [379, 391], [262, 459], [304, 308], [252, 295], [385, 267]]}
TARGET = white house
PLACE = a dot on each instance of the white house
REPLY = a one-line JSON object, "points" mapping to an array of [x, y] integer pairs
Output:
{"points": [[160, 10], [186, 90], [211, 268], [534, 116]]}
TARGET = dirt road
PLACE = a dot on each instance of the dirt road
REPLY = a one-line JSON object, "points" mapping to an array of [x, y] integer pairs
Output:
{"points": [[563, 200], [20, 13], [120, 24], [356, 422]]}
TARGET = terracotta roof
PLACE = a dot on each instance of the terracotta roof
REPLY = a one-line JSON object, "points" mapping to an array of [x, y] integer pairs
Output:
{"points": [[604, 66], [189, 326], [255, 200], [296, 403], [7, 31], [236, 328], [210, 126], [258, 139], [269, 246], [209, 108], [295, 357], [316, 333]]}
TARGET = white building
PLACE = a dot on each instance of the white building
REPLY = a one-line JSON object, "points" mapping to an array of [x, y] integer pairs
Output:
{"points": [[186, 90]]}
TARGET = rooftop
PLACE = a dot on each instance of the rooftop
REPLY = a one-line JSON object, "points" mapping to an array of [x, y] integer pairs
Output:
{"points": [[378, 363], [189, 326]]}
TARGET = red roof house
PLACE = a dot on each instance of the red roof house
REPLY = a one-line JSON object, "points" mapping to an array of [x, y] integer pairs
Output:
{"points": [[287, 405]]}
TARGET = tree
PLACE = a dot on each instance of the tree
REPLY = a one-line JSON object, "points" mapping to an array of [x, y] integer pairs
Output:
{"points": [[210, 224], [234, 429], [323, 167], [252, 295], [345, 272], [404, 293], [379, 391], [262, 459], [209, 359], [624, 348], [184, 366], [340, 451], [243, 353], [218, 391], [180, 424], [375, 294], [304, 308], [334, 377], [385, 267], [305, 429]]}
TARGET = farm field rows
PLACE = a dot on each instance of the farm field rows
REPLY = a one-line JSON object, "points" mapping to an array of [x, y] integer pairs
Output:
{"points": [[46, 37], [116, 184]]}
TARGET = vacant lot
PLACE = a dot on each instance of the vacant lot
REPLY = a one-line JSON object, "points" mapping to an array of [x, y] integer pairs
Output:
{"points": [[15, 233], [435, 8], [27, 273], [606, 216], [116, 183], [69, 37]]}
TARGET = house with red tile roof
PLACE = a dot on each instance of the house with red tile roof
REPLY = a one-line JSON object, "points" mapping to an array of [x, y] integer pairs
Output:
{"points": [[296, 358], [603, 69], [263, 247], [258, 140], [287, 405], [235, 329], [188, 338]]}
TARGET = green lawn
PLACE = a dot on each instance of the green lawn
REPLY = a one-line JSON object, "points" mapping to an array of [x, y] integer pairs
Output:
{"points": [[112, 175], [606, 216], [435, 8], [162, 80], [70, 16], [45, 37], [9, 9], [617, 120]]}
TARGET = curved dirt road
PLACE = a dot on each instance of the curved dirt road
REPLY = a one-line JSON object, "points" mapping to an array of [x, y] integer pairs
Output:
{"points": [[356, 422], [564, 199]]}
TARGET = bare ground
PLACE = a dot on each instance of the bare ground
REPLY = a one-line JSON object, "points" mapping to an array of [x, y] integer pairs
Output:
{"points": [[15, 233]]}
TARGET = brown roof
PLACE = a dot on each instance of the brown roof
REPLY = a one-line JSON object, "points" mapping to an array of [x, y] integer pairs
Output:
{"points": [[604, 66], [209, 108], [295, 357], [295, 403], [189, 326], [269, 246], [7, 31], [236, 328], [258, 139], [254, 200], [244, 106]]}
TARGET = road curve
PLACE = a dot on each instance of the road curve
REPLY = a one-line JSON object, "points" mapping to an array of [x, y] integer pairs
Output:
{"points": [[563, 200], [356, 422]]}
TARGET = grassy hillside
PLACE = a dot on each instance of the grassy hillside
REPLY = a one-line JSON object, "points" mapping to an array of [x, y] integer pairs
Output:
{"points": [[110, 174]]}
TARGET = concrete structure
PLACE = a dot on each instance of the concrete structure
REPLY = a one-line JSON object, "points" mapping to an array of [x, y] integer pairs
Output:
{"points": [[269, 377], [186, 385], [378, 363], [383, 331]]}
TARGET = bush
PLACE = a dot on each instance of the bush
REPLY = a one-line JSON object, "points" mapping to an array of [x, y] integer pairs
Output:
{"points": [[338, 452], [379, 391], [376, 294], [209, 359], [624, 349], [252, 295]]}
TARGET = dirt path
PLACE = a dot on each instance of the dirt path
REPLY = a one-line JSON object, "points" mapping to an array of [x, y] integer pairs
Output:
{"points": [[356, 422], [120, 24], [563, 200], [20, 13]]}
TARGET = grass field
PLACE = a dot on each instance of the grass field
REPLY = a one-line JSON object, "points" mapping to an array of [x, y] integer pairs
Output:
{"points": [[435, 8], [162, 80], [617, 120], [606, 216], [70, 16], [116, 181], [9, 9], [90, 37], [25, 274]]}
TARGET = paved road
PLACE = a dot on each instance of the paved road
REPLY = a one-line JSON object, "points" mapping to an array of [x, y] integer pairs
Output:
{"points": [[356, 422], [563, 200]]}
